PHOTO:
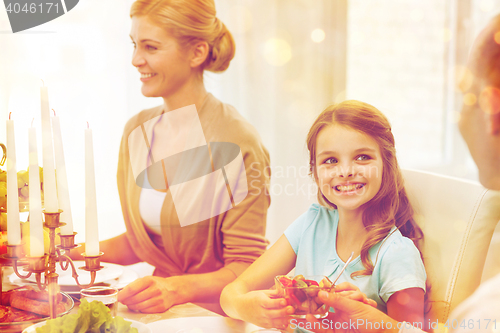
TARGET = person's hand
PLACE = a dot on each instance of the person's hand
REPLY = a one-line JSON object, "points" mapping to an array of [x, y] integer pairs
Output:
{"points": [[263, 308], [351, 316], [349, 290], [150, 294]]}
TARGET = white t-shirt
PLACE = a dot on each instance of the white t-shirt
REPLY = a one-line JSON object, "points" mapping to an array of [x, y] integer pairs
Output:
{"points": [[150, 204]]}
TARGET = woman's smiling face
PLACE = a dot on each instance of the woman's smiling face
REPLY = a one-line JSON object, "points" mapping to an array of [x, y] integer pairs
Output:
{"points": [[164, 65], [348, 166]]}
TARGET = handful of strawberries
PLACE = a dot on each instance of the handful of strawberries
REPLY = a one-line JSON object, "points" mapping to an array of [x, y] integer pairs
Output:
{"points": [[302, 293]]}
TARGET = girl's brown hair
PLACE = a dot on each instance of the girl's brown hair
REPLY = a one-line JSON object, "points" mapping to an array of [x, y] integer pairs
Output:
{"points": [[390, 206], [191, 21]]}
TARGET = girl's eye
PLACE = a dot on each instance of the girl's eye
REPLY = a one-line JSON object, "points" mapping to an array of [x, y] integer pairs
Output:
{"points": [[330, 160], [151, 48], [363, 158]]}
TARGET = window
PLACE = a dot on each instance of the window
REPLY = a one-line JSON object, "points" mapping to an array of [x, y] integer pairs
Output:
{"points": [[405, 58]]}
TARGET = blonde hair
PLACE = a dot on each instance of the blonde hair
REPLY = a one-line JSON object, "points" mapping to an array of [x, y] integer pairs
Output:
{"points": [[390, 206], [191, 21]]}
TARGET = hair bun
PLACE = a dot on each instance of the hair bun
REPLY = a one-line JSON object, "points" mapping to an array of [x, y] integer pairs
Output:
{"points": [[222, 49], [191, 21]]}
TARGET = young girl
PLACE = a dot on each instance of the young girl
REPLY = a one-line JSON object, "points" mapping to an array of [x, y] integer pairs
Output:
{"points": [[363, 208]]}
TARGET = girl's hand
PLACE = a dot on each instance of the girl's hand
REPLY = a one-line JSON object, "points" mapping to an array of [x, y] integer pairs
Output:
{"points": [[351, 291], [264, 309]]}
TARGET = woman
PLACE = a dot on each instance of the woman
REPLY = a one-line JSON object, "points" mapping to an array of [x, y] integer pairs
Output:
{"points": [[195, 257]]}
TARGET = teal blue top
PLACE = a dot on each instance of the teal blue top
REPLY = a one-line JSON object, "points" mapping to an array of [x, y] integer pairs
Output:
{"points": [[397, 262]]}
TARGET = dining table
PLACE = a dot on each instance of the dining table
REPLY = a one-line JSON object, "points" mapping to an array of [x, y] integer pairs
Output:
{"points": [[183, 318]]}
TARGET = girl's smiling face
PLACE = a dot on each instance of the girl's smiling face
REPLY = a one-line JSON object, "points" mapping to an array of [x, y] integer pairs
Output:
{"points": [[164, 65], [348, 166]]}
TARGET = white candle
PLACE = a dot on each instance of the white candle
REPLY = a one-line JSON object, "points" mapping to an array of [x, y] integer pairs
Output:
{"points": [[13, 226], [36, 225], [62, 179], [91, 232], [49, 177]]}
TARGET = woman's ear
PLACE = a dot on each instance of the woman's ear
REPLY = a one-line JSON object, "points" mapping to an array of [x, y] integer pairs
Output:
{"points": [[494, 124], [489, 102], [199, 53]]}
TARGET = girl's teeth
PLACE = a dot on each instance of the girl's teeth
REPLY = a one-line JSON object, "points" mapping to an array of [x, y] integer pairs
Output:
{"points": [[350, 187], [144, 76]]}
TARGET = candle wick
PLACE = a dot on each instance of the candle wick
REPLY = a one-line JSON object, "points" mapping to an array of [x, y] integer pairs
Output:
{"points": [[88, 126], [54, 112], [43, 82], [10, 114], [32, 121]]}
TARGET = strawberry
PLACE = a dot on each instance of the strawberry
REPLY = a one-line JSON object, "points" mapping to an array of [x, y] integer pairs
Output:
{"points": [[286, 282]]}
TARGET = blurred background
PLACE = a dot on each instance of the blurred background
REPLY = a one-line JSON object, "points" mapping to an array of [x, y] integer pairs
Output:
{"points": [[293, 58]]}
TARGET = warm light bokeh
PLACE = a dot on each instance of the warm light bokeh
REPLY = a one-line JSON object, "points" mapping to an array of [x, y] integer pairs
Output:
{"points": [[318, 35], [277, 52]]}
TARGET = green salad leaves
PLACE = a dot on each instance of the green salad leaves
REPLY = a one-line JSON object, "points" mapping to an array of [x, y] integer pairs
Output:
{"points": [[92, 317]]}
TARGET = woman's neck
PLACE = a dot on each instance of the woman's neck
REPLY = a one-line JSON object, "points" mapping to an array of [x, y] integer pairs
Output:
{"points": [[193, 92]]}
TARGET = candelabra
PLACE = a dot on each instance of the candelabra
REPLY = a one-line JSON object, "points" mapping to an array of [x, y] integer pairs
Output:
{"points": [[46, 265]]}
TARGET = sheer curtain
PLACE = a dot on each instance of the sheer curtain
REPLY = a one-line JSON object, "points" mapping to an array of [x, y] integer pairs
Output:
{"points": [[406, 58], [293, 58]]}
